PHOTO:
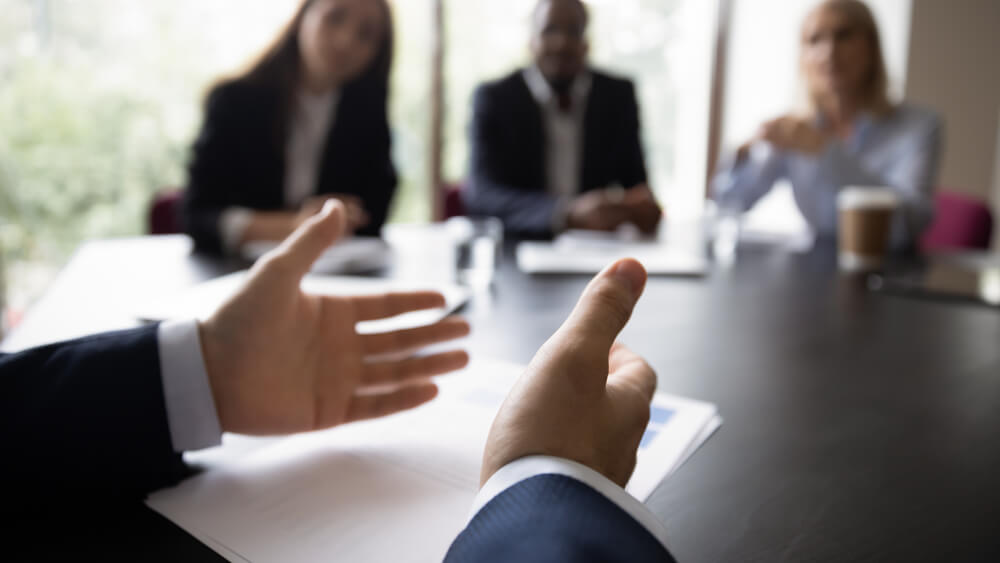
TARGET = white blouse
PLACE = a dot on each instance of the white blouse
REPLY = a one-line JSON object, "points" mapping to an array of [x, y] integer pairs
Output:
{"points": [[312, 119]]}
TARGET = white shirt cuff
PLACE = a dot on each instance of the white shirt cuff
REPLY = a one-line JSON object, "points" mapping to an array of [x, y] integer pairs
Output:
{"points": [[233, 224], [191, 415], [532, 466]]}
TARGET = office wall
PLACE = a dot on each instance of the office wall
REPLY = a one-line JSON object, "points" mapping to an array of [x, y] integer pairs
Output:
{"points": [[953, 67], [996, 186], [996, 175]]}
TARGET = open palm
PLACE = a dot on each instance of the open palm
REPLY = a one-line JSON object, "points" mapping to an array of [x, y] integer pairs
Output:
{"points": [[280, 360]]}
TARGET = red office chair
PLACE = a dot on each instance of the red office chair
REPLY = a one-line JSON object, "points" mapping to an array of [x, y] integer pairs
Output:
{"points": [[960, 222], [164, 212], [454, 206]]}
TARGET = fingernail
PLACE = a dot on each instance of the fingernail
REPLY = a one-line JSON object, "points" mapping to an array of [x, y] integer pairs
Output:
{"points": [[328, 206], [632, 274]]}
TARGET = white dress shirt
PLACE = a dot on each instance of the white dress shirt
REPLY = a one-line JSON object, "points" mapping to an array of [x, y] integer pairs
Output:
{"points": [[900, 151], [312, 119], [564, 136], [194, 424]]}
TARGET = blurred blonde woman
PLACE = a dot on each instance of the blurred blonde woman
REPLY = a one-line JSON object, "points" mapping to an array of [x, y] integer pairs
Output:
{"points": [[852, 135]]}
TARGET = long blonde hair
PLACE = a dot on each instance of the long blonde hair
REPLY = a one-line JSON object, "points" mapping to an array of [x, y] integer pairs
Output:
{"points": [[876, 95]]}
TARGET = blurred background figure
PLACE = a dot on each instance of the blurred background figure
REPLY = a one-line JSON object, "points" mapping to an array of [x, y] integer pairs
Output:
{"points": [[851, 133], [306, 122], [556, 145]]}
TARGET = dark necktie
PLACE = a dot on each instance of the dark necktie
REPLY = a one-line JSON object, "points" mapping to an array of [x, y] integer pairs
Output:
{"points": [[565, 102]]}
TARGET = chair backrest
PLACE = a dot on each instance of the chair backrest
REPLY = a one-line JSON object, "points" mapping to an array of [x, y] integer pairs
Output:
{"points": [[453, 204], [164, 212], [960, 223]]}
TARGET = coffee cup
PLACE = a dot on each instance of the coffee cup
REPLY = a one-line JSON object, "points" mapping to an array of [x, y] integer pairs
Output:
{"points": [[866, 216]]}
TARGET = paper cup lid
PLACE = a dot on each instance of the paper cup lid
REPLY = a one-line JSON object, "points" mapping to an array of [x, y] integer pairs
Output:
{"points": [[854, 197]]}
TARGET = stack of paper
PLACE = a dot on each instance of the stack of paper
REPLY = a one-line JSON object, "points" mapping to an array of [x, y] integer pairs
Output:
{"points": [[395, 489], [579, 252], [356, 255]]}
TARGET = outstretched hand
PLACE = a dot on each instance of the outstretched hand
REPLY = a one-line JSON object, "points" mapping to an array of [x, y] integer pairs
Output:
{"points": [[281, 361], [584, 397]]}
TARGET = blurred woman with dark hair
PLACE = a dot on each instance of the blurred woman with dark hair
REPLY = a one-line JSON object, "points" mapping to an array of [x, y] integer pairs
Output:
{"points": [[306, 123], [851, 134]]}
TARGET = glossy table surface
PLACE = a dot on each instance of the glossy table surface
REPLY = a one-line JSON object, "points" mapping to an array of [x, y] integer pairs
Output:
{"points": [[858, 426]]}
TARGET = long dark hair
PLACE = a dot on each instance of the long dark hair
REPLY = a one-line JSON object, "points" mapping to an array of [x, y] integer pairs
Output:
{"points": [[279, 67], [281, 62]]}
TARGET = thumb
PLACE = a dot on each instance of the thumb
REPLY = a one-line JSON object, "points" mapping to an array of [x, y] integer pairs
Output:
{"points": [[303, 247], [605, 307]]}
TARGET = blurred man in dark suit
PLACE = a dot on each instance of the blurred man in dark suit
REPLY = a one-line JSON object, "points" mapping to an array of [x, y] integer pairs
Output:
{"points": [[556, 145]]}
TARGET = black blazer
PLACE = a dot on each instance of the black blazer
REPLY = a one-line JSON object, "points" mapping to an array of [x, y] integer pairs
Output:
{"points": [[239, 156], [86, 420], [508, 169]]}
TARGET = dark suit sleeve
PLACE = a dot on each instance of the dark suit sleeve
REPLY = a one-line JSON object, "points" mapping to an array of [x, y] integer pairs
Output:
{"points": [[210, 171], [554, 518], [86, 420], [632, 167], [523, 211]]}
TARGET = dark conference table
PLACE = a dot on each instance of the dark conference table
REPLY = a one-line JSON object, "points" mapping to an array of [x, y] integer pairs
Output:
{"points": [[858, 426]]}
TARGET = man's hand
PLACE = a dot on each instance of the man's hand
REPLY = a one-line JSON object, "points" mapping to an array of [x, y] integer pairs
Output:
{"points": [[608, 209], [357, 217], [596, 211], [644, 211], [795, 134], [583, 397], [281, 361]]}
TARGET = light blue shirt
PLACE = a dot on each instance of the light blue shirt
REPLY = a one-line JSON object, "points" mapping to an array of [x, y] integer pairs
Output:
{"points": [[900, 151]]}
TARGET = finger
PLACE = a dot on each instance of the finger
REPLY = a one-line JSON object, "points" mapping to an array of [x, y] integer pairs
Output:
{"points": [[372, 307], [297, 253], [364, 218], [628, 368], [350, 200], [767, 132], [641, 192], [770, 124], [776, 137], [788, 126], [605, 306], [374, 405], [384, 373], [414, 338], [355, 211]]}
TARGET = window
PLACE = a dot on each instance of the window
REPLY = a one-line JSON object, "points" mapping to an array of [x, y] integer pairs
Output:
{"points": [[100, 102]]}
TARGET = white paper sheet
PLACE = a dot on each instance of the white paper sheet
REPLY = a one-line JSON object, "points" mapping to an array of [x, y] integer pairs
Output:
{"points": [[395, 489], [577, 252], [200, 301], [356, 255]]}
